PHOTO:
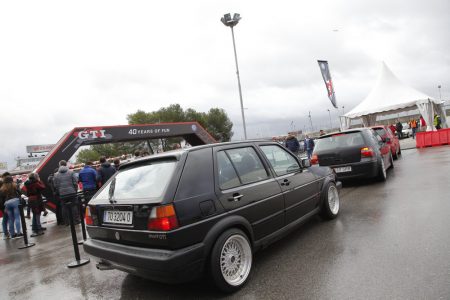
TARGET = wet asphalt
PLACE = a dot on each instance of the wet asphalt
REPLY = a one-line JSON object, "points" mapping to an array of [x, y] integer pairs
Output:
{"points": [[390, 241]]}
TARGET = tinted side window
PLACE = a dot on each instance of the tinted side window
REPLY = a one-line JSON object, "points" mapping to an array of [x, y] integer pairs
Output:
{"points": [[377, 137], [247, 164], [239, 166], [228, 177], [381, 132], [282, 161], [197, 177]]}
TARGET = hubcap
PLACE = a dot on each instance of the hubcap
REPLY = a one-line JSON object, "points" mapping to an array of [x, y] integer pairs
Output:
{"points": [[235, 260], [333, 199]]}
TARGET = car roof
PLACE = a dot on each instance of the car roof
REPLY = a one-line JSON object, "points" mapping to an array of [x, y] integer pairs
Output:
{"points": [[179, 152], [359, 129]]}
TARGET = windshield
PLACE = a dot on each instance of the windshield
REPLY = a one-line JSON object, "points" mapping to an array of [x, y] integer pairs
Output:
{"points": [[143, 181], [340, 140]]}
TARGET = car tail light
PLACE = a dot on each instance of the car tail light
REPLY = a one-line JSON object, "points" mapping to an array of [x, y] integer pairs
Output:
{"points": [[367, 152], [162, 218], [87, 217], [314, 159]]}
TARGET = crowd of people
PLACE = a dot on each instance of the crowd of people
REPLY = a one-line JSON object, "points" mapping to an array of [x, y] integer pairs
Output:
{"points": [[12, 194], [65, 183], [292, 143], [416, 125]]}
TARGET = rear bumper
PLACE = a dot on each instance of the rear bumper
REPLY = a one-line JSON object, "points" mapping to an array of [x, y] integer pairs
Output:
{"points": [[359, 170], [168, 266]]}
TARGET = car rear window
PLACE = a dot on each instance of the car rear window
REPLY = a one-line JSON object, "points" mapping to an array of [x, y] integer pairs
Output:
{"points": [[142, 181], [340, 140]]}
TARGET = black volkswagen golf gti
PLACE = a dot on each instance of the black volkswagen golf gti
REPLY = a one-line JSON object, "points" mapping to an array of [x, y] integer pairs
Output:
{"points": [[175, 216]]}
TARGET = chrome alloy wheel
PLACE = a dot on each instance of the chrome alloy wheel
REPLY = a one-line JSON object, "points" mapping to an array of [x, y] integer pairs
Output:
{"points": [[236, 260], [333, 199]]}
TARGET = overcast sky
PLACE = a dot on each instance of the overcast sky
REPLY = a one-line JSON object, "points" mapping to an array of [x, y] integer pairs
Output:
{"points": [[66, 64]]}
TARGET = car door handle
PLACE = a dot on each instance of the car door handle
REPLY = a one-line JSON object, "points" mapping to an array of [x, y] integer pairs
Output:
{"points": [[236, 197], [285, 182]]}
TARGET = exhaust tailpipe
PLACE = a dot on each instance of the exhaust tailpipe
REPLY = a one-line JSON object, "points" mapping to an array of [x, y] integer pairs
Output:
{"points": [[103, 266]]}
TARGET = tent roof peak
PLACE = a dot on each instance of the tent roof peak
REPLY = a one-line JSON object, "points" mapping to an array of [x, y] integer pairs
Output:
{"points": [[388, 94]]}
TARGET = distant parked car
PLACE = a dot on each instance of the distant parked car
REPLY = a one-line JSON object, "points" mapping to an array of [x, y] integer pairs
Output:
{"points": [[359, 152], [390, 138], [406, 131], [175, 216]]}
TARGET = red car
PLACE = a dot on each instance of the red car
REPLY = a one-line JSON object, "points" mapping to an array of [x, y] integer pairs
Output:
{"points": [[393, 142]]}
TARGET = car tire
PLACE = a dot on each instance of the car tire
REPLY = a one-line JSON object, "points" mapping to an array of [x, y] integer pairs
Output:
{"points": [[395, 155], [231, 260], [399, 151], [392, 162], [330, 202], [381, 170]]}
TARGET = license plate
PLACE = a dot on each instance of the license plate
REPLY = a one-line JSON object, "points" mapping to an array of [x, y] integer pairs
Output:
{"points": [[118, 217], [343, 169]]}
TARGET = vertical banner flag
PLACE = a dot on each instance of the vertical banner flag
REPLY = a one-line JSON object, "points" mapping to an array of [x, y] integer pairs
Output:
{"points": [[323, 64]]}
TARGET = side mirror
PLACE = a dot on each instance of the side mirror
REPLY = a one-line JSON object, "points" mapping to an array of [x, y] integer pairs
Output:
{"points": [[306, 163]]}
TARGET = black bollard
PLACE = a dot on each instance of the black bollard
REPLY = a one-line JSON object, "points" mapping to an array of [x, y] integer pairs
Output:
{"points": [[24, 229], [83, 225], [78, 261]]}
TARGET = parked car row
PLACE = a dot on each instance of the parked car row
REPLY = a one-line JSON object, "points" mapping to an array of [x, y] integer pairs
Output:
{"points": [[176, 216], [206, 210], [358, 153]]}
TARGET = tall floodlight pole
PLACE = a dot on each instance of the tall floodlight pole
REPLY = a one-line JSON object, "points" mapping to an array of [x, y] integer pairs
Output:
{"points": [[440, 97], [329, 113], [310, 121], [231, 22]]}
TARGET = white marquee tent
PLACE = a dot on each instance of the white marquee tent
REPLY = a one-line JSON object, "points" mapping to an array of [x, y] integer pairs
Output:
{"points": [[390, 96]]}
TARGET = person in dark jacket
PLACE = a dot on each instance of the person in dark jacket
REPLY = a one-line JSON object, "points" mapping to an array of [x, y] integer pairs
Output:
{"points": [[292, 144], [309, 146], [88, 178], [33, 188], [105, 171], [399, 128], [116, 163], [66, 185]]}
